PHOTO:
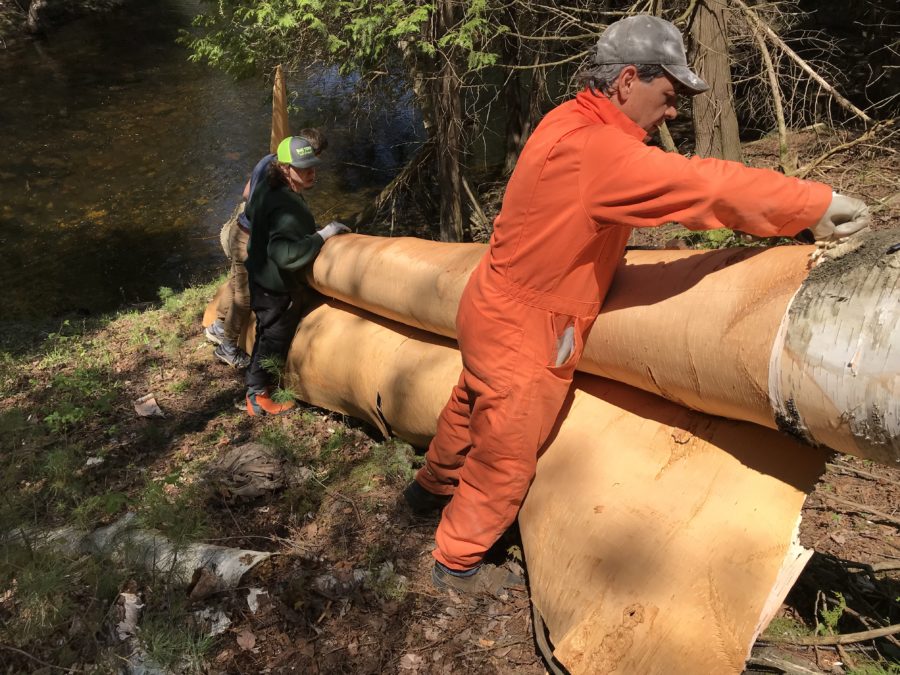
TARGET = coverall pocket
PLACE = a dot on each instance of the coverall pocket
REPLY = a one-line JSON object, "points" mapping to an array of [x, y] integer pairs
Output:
{"points": [[565, 345]]}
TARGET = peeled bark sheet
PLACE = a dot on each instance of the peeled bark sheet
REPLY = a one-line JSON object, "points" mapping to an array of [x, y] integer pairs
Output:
{"points": [[280, 127], [657, 539], [750, 334]]}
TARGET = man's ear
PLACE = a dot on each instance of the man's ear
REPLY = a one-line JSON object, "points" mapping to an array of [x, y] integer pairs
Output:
{"points": [[625, 82]]}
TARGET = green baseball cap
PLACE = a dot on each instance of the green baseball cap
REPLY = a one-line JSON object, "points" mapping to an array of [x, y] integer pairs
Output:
{"points": [[296, 151]]}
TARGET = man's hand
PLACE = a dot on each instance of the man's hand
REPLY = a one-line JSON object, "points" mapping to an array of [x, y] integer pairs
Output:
{"points": [[843, 217], [332, 229]]}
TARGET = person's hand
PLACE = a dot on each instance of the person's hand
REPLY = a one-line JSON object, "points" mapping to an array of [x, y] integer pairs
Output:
{"points": [[843, 217], [332, 229]]}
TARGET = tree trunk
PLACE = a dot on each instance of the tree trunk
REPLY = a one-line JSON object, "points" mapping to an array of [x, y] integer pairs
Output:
{"points": [[448, 133], [515, 96], [449, 138], [516, 131], [522, 90], [715, 122]]}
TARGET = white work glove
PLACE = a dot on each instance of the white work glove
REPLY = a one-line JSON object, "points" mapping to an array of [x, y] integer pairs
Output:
{"points": [[332, 229], [843, 217]]}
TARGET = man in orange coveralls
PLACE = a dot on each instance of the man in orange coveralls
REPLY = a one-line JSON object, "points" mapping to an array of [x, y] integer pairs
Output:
{"points": [[583, 181]]}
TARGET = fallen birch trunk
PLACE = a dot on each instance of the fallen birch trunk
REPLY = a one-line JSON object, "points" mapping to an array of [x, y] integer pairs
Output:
{"points": [[749, 334], [657, 539], [206, 568]]}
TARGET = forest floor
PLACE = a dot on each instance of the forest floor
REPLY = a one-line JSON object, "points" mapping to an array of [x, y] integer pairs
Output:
{"points": [[348, 587]]}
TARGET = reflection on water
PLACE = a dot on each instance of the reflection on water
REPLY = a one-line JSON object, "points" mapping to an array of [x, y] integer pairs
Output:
{"points": [[120, 160]]}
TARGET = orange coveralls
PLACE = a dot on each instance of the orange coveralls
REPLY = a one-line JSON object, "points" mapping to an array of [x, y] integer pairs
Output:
{"points": [[584, 179]]}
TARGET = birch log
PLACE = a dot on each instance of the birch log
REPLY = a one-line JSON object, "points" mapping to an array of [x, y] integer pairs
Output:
{"points": [[749, 334]]}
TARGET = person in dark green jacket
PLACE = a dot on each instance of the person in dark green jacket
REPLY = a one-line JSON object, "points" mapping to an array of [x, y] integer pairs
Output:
{"points": [[283, 240]]}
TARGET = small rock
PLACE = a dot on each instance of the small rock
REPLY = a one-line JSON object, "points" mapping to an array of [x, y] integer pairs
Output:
{"points": [[246, 640], [146, 406]]}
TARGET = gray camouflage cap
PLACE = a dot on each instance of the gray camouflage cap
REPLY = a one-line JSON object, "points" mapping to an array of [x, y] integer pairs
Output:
{"points": [[648, 40]]}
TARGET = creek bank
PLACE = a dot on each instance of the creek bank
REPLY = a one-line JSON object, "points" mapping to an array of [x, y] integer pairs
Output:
{"points": [[22, 18]]}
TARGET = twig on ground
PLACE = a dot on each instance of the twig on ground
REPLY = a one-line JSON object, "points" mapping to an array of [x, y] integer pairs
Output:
{"points": [[233, 519], [36, 659], [325, 611], [335, 493], [862, 508], [342, 647], [499, 645], [806, 168], [848, 660], [840, 466], [868, 624], [845, 639], [781, 664]]}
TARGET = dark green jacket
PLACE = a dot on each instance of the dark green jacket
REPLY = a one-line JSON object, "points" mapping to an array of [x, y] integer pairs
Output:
{"points": [[283, 237]]}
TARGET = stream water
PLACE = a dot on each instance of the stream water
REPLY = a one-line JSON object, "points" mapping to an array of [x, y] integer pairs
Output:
{"points": [[120, 160]]}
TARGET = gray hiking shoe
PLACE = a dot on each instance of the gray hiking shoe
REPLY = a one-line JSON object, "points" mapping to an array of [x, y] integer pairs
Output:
{"points": [[215, 332], [230, 354], [487, 579]]}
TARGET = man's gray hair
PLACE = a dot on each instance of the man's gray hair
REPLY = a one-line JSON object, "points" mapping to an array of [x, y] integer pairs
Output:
{"points": [[603, 78]]}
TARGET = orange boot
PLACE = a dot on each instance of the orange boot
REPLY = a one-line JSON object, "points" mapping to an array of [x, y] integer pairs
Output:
{"points": [[259, 403]]}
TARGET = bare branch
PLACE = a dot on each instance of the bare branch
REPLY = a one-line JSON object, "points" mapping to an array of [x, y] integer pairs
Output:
{"points": [[774, 37], [476, 206], [666, 137], [687, 14], [544, 66], [553, 38], [783, 150]]}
